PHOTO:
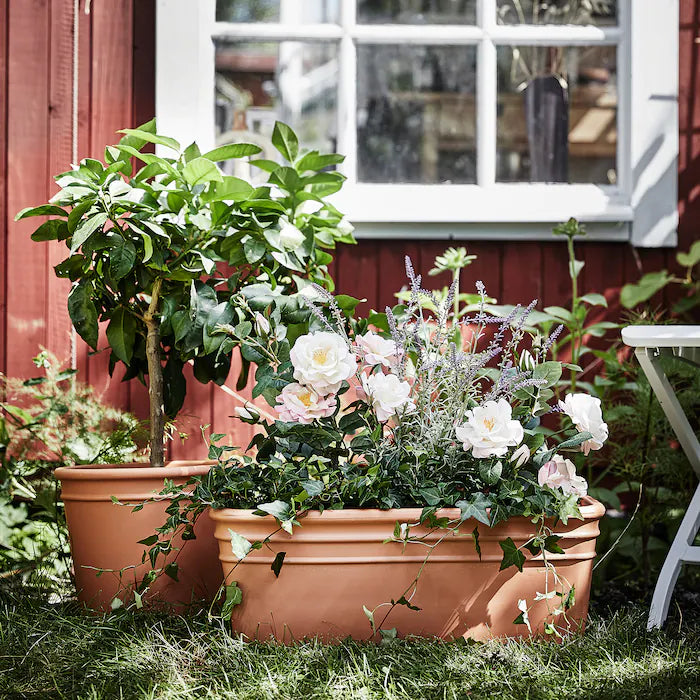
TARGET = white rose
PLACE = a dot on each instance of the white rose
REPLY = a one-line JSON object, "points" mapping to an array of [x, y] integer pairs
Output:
{"points": [[301, 404], [387, 395], [322, 360], [490, 430], [290, 236], [377, 350], [560, 473], [587, 416]]}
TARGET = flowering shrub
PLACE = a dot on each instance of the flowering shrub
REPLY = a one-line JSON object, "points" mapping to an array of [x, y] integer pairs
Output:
{"points": [[410, 408]]}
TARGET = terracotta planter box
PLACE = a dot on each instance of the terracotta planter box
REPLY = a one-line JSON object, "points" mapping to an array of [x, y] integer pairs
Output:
{"points": [[338, 561], [105, 535]]}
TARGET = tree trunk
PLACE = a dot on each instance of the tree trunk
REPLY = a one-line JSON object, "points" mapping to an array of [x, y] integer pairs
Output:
{"points": [[155, 378]]}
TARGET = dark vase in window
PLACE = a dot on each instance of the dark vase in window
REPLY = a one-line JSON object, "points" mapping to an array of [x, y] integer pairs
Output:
{"points": [[547, 117]]}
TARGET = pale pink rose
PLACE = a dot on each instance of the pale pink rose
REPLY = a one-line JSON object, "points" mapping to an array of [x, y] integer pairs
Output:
{"points": [[376, 350], [560, 473], [301, 404]]}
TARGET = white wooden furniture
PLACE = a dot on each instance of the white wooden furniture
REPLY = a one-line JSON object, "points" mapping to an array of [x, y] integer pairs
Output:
{"points": [[650, 344]]}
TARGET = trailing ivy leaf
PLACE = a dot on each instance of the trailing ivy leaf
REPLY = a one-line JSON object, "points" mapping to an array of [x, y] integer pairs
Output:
{"points": [[490, 472], [277, 563], [171, 570], [570, 509], [232, 150], [285, 141], [370, 616], [477, 546], [402, 601], [121, 334], [149, 541], [240, 546], [122, 257], [279, 509], [512, 556], [551, 544], [313, 487], [475, 508], [83, 313], [234, 596], [523, 618], [85, 229]]}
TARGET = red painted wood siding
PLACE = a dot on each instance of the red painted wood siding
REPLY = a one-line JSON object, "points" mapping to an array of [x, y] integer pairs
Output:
{"points": [[117, 89]]}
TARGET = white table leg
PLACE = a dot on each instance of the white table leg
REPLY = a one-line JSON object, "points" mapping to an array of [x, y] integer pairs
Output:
{"points": [[682, 550]]}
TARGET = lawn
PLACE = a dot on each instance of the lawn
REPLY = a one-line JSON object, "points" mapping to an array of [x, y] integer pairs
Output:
{"points": [[58, 651]]}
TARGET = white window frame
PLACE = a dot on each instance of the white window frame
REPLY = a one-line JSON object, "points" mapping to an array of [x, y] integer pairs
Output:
{"points": [[640, 207]]}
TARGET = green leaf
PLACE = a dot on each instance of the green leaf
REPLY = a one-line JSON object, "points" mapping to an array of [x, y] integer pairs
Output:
{"points": [[570, 509], [477, 546], [691, 258], [234, 596], [285, 141], [121, 259], [551, 544], [254, 249], [595, 299], [43, 210], [151, 138], [315, 161], [370, 616], [149, 541], [634, 294], [574, 441], [51, 230], [490, 472], [121, 334], [559, 313], [575, 267], [550, 372], [240, 546], [279, 509], [276, 565], [232, 150], [201, 170], [476, 508], [85, 229], [231, 188], [83, 313], [269, 166], [512, 556], [171, 570]]}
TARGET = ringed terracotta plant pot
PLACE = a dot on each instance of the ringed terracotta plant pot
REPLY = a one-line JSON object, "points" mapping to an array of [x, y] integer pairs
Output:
{"points": [[337, 562], [104, 535]]}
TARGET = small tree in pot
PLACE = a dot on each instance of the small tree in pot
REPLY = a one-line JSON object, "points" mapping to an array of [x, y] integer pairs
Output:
{"points": [[171, 256], [146, 251]]}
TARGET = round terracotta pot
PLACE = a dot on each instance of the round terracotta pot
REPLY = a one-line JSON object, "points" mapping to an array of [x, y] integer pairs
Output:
{"points": [[338, 561], [104, 535]]}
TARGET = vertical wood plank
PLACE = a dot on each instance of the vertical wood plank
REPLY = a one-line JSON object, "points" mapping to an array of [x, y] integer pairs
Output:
{"points": [[391, 268], [522, 273], [357, 273], [27, 178], [196, 412], [111, 109], [60, 154], [4, 30]]}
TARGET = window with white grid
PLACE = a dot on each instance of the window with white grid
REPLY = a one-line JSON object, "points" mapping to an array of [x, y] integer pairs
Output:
{"points": [[463, 118]]}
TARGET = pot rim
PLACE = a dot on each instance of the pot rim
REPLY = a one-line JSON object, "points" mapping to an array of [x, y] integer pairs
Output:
{"points": [[133, 470], [591, 509]]}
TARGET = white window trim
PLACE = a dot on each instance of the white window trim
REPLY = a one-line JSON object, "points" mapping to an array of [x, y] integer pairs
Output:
{"points": [[641, 207]]}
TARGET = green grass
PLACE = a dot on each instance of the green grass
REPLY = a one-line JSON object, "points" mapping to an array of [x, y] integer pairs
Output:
{"points": [[58, 651]]}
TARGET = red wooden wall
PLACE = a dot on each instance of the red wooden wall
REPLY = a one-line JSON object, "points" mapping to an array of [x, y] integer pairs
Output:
{"points": [[116, 88]]}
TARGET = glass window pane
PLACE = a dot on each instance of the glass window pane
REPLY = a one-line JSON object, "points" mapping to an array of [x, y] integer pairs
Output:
{"points": [[597, 12], [557, 114], [416, 113], [416, 11], [293, 11], [259, 83]]}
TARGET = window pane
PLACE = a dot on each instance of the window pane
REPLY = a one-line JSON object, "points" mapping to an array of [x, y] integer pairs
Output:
{"points": [[259, 83], [416, 11], [597, 12], [561, 124], [416, 113], [277, 10]]}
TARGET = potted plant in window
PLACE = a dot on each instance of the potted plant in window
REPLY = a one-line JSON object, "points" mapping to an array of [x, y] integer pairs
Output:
{"points": [[171, 256], [433, 503]]}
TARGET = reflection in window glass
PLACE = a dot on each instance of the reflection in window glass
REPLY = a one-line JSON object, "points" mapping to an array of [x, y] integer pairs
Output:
{"points": [[416, 11], [416, 113], [259, 83], [557, 114], [293, 11], [597, 12]]}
